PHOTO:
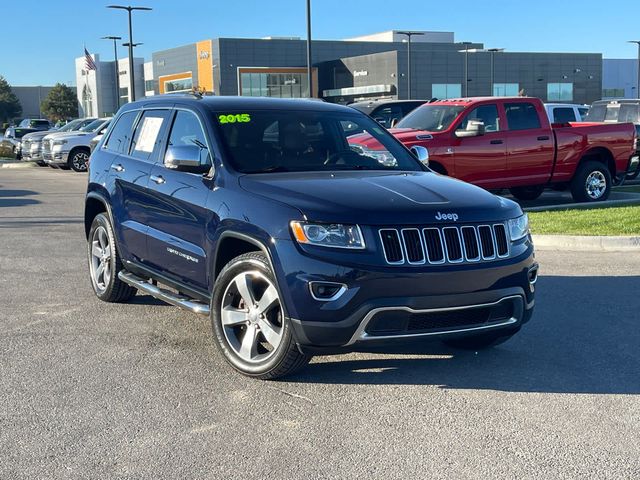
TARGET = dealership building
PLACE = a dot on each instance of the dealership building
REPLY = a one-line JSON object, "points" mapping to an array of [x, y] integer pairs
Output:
{"points": [[368, 67]]}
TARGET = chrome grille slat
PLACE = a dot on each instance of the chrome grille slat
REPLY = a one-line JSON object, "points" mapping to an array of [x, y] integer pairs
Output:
{"points": [[452, 244]]}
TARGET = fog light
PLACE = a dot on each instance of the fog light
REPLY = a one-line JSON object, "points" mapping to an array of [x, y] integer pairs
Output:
{"points": [[327, 291]]}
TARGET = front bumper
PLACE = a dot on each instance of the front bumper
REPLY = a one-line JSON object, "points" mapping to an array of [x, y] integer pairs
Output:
{"points": [[56, 157], [385, 304]]}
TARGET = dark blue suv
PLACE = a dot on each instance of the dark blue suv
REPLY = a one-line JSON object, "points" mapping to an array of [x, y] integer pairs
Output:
{"points": [[265, 215]]}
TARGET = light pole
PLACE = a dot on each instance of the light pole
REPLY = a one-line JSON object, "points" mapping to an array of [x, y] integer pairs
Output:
{"points": [[637, 42], [409, 34], [131, 47], [466, 66], [493, 51], [117, 79], [309, 74], [129, 9]]}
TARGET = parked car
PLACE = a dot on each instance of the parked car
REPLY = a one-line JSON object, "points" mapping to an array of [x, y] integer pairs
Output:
{"points": [[619, 111], [98, 136], [11, 142], [502, 142], [36, 123], [32, 142], [71, 150], [566, 112], [387, 112], [294, 243]]}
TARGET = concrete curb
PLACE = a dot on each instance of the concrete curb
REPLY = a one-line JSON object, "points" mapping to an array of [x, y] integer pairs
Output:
{"points": [[631, 199], [584, 243], [18, 164]]}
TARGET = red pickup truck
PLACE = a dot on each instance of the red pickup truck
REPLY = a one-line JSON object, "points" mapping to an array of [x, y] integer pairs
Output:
{"points": [[508, 142]]}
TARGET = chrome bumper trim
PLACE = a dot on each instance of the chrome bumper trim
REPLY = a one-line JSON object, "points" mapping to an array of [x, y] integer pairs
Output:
{"points": [[361, 335]]}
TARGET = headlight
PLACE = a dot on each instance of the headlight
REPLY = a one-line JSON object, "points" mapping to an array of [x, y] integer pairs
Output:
{"points": [[59, 142], [328, 235], [519, 227]]}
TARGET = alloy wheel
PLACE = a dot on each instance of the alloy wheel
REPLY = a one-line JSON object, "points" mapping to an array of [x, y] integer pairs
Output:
{"points": [[251, 315], [596, 185], [100, 263], [79, 161]]}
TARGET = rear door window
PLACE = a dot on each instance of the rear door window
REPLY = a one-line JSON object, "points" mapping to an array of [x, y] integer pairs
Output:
{"points": [[120, 137], [563, 115], [522, 116], [148, 134]]}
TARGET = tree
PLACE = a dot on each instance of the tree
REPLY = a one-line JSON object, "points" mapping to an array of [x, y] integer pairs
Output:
{"points": [[61, 103], [9, 104]]}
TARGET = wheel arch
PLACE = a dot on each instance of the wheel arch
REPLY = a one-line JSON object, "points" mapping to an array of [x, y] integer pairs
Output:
{"points": [[95, 204], [602, 155], [230, 244]]}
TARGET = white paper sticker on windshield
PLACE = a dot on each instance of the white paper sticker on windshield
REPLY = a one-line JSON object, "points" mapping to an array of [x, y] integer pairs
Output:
{"points": [[148, 134]]}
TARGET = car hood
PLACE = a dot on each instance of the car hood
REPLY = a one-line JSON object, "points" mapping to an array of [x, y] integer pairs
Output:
{"points": [[36, 135], [380, 198]]}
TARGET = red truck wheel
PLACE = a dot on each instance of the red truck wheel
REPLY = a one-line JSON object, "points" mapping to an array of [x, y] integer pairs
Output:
{"points": [[591, 183]]}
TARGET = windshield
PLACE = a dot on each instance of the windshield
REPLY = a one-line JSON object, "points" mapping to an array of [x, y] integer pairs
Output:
{"points": [[70, 126], [304, 141], [93, 126], [433, 118]]}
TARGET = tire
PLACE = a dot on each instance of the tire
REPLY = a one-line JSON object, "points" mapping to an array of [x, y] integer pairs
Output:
{"points": [[270, 351], [591, 182], [105, 263], [527, 193], [78, 160], [482, 341]]}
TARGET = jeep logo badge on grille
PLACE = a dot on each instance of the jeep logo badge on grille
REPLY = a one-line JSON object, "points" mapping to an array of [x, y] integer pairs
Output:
{"points": [[447, 216]]}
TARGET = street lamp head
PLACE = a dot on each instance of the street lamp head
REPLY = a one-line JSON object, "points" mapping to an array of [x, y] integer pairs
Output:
{"points": [[495, 49], [128, 7], [132, 44], [637, 42], [111, 37]]}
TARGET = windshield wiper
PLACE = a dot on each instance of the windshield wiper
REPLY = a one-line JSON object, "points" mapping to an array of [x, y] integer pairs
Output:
{"points": [[273, 169]]}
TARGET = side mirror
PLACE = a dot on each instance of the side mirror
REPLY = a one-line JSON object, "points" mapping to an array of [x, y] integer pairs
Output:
{"points": [[421, 153], [185, 158], [474, 129]]}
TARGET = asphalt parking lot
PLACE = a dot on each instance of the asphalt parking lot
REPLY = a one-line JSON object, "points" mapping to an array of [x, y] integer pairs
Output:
{"points": [[95, 390]]}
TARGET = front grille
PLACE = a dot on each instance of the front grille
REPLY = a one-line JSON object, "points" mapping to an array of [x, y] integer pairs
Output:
{"points": [[450, 244]]}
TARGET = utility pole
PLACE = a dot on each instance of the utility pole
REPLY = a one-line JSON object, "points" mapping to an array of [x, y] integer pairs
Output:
{"points": [[637, 42], [409, 34], [129, 9], [117, 70]]}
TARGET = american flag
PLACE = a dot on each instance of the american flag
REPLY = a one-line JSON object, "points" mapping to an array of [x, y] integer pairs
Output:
{"points": [[89, 64]]}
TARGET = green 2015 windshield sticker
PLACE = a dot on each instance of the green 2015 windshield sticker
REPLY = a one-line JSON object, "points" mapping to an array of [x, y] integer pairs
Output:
{"points": [[233, 118]]}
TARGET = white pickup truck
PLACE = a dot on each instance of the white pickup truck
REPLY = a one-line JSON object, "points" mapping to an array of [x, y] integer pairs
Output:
{"points": [[565, 112], [72, 149]]}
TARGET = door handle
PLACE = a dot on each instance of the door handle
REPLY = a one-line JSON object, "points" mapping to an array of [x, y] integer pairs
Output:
{"points": [[543, 137], [159, 179], [496, 142], [118, 167]]}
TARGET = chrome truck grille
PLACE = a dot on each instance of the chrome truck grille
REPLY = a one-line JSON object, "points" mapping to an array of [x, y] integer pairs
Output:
{"points": [[440, 245]]}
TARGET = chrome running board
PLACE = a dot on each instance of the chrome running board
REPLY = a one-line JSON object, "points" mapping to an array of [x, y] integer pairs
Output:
{"points": [[164, 295]]}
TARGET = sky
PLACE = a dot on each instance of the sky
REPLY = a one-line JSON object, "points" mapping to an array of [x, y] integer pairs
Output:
{"points": [[42, 38]]}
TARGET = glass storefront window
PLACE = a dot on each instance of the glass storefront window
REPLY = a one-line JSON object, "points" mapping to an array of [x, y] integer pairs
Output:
{"points": [[180, 85], [443, 91], [560, 92], [506, 89], [274, 84]]}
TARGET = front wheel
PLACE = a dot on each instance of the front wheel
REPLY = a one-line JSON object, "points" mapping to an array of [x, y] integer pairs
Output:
{"points": [[78, 160], [248, 320], [591, 183]]}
